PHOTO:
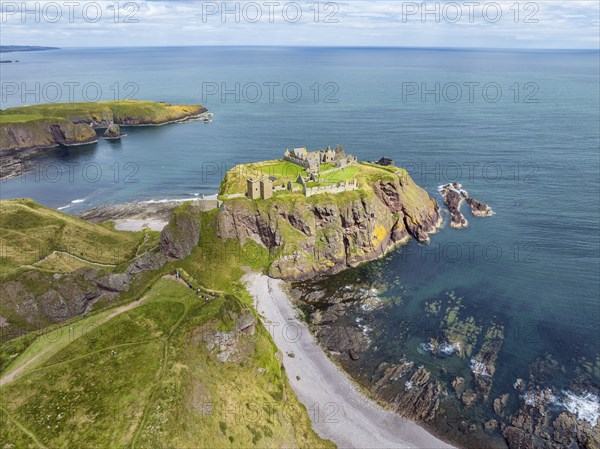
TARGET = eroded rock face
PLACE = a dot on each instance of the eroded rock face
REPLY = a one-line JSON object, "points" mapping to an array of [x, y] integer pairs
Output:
{"points": [[453, 198], [112, 132], [146, 262], [39, 298], [180, 236], [412, 392], [321, 236]]}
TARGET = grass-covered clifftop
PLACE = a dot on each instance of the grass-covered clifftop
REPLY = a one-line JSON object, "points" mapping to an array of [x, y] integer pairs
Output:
{"points": [[326, 233], [163, 367], [175, 371], [100, 114], [54, 266]]}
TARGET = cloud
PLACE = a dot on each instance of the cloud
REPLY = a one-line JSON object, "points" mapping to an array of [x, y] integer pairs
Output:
{"points": [[542, 24]]}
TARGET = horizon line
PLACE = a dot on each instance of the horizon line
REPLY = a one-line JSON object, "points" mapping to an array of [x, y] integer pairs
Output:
{"points": [[314, 46]]}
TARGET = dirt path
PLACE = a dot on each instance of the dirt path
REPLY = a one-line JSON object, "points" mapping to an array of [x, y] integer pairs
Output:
{"points": [[108, 265], [339, 411], [13, 375]]}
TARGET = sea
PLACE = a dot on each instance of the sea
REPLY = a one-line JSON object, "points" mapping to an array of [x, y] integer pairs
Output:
{"points": [[519, 129]]}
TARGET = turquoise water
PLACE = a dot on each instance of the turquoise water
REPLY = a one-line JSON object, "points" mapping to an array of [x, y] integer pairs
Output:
{"points": [[532, 267]]}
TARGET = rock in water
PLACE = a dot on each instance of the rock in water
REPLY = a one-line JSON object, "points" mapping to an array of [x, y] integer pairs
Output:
{"points": [[453, 198], [478, 208], [112, 132]]}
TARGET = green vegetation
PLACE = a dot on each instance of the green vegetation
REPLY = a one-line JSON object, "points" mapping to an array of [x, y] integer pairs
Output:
{"points": [[48, 125], [156, 376], [149, 373], [366, 173], [29, 233], [218, 263], [120, 112]]}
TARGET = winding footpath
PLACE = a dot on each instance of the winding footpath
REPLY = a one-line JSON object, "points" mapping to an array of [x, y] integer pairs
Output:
{"points": [[339, 411], [15, 374]]}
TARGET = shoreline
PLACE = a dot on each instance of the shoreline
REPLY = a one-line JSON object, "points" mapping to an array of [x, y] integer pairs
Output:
{"points": [[339, 410], [22, 155]]}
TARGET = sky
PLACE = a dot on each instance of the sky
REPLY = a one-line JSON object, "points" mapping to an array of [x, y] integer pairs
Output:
{"points": [[549, 24]]}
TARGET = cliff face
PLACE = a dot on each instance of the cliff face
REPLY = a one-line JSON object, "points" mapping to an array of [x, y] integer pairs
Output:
{"points": [[325, 234], [24, 131], [40, 134], [181, 235]]}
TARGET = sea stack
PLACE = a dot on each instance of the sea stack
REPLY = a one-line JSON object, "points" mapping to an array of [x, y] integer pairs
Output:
{"points": [[112, 132]]}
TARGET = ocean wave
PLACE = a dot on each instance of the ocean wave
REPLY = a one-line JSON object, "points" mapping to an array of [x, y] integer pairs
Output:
{"points": [[444, 348], [479, 368], [178, 200], [72, 203], [586, 407]]}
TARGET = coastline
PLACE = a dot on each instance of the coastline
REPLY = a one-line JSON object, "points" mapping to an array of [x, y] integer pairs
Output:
{"points": [[339, 410]]}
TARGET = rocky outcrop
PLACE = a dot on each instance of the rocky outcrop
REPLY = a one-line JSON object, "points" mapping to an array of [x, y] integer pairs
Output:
{"points": [[146, 262], [478, 208], [38, 298], [411, 392], [544, 421], [181, 235], [112, 132], [320, 236], [232, 345], [453, 198], [345, 342]]}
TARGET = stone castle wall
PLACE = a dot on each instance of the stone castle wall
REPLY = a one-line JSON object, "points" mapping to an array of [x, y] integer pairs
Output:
{"points": [[338, 188]]}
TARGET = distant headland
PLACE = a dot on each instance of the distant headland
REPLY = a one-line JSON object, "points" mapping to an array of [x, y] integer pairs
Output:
{"points": [[15, 48], [27, 130]]}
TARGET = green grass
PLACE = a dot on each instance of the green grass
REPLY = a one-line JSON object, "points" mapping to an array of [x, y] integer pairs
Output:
{"points": [[217, 262], [152, 112], [235, 180], [29, 232], [366, 173], [344, 174], [164, 387]]}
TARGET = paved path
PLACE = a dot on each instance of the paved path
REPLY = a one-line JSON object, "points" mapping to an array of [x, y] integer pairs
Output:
{"points": [[339, 411]]}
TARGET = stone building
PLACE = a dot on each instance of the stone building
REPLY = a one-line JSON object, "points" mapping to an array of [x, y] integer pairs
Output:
{"points": [[259, 188], [266, 188], [253, 191], [312, 160]]}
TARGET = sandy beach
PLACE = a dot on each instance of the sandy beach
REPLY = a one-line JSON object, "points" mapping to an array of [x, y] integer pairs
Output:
{"points": [[139, 225], [345, 415]]}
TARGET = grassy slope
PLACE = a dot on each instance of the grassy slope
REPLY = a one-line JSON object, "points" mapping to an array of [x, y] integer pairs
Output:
{"points": [[30, 232], [154, 392], [152, 111], [164, 388]]}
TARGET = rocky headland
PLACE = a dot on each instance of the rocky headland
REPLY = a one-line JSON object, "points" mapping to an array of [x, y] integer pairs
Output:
{"points": [[27, 131], [325, 234]]}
